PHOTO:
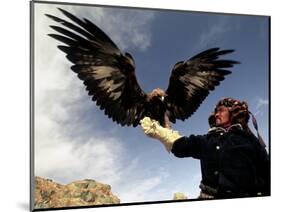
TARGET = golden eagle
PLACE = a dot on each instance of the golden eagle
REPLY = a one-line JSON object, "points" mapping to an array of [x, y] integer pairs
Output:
{"points": [[109, 75]]}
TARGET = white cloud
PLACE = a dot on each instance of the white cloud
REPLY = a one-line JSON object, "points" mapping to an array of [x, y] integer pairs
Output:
{"points": [[143, 185], [215, 32], [260, 105], [63, 151], [142, 190], [66, 161], [127, 28], [260, 110], [131, 29]]}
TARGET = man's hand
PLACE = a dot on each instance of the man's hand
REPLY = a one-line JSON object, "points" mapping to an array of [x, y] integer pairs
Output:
{"points": [[153, 129], [149, 125]]}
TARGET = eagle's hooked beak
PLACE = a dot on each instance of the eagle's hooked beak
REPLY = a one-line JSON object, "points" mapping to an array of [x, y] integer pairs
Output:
{"points": [[158, 94]]}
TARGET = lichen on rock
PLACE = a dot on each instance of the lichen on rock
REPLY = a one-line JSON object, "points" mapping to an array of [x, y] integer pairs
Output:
{"points": [[49, 194]]}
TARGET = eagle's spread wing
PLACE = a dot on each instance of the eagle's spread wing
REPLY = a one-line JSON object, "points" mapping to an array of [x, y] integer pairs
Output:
{"points": [[191, 82], [109, 75]]}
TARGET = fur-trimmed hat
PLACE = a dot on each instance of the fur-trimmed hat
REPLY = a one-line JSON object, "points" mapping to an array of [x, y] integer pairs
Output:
{"points": [[239, 114]]}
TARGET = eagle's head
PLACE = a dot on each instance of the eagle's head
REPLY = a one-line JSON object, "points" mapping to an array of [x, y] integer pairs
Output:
{"points": [[156, 95]]}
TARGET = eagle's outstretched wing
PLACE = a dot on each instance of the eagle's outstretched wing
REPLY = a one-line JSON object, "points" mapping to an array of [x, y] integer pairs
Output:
{"points": [[109, 75], [192, 80]]}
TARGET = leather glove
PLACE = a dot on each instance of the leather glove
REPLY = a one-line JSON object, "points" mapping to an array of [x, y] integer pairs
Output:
{"points": [[153, 129]]}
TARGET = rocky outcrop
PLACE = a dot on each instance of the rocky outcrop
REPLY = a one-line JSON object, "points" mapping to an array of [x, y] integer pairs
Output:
{"points": [[49, 194]]}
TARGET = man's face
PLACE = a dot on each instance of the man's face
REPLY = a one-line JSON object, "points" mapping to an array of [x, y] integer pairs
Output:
{"points": [[222, 116]]}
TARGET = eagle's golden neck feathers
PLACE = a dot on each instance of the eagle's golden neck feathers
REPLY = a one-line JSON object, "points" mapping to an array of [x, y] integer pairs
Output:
{"points": [[157, 92]]}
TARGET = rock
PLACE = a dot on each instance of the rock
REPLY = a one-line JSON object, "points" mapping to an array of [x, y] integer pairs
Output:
{"points": [[179, 196], [49, 194]]}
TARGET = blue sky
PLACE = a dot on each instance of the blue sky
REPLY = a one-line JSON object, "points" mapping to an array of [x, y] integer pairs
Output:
{"points": [[75, 140]]}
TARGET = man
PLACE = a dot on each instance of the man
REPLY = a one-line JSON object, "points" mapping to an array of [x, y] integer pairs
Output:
{"points": [[234, 162]]}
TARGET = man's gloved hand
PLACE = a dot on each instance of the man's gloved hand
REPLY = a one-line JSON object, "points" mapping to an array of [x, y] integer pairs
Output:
{"points": [[153, 129]]}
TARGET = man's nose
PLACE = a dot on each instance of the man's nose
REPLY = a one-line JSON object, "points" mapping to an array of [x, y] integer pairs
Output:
{"points": [[216, 115]]}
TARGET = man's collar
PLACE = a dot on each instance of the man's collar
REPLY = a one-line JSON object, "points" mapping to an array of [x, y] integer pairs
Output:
{"points": [[221, 129]]}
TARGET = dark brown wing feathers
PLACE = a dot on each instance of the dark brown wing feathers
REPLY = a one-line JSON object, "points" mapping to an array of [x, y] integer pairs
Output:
{"points": [[192, 80], [109, 76]]}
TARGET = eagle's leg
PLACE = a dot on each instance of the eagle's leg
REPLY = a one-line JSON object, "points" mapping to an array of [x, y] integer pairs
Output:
{"points": [[167, 123]]}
